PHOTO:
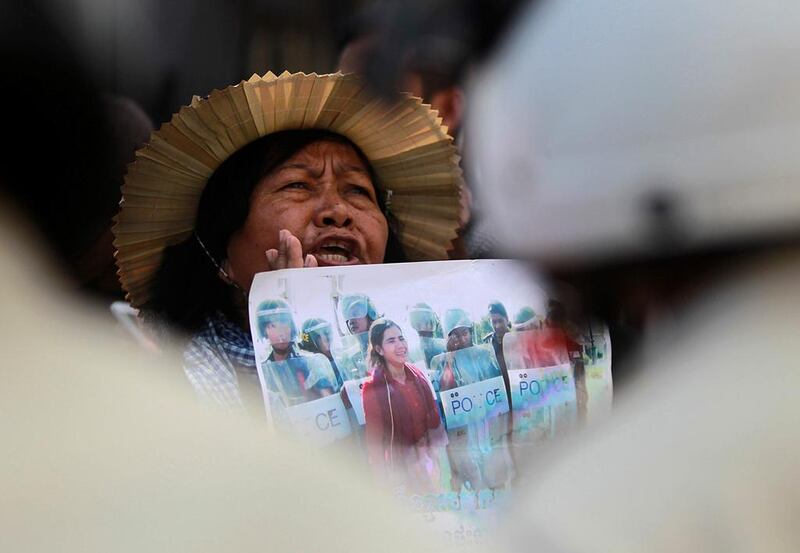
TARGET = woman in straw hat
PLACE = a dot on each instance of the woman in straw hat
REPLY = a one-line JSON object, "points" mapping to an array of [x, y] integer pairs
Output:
{"points": [[276, 172]]}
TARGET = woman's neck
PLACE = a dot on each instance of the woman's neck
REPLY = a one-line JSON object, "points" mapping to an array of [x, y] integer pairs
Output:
{"points": [[240, 308], [398, 372]]}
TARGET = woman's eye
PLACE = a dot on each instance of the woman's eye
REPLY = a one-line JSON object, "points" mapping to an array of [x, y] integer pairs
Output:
{"points": [[360, 191], [296, 186]]}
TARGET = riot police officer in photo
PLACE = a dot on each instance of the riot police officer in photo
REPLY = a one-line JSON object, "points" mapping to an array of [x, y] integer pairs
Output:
{"points": [[478, 451], [293, 374], [358, 313], [317, 337], [426, 322]]}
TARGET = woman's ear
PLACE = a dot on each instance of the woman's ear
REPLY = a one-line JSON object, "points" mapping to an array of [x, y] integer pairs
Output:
{"points": [[378, 350]]}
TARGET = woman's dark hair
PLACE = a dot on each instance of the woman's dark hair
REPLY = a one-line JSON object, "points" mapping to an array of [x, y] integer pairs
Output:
{"points": [[187, 287], [376, 332]]}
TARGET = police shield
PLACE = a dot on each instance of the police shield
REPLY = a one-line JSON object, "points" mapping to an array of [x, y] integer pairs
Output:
{"points": [[300, 393], [476, 407], [353, 367], [542, 381]]}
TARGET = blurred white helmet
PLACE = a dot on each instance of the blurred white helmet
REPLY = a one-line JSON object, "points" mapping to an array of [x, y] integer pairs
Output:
{"points": [[633, 128]]}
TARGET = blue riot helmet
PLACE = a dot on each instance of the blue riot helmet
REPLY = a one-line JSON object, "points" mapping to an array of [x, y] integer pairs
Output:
{"points": [[526, 319], [357, 306], [313, 333], [497, 308], [425, 319], [274, 311], [456, 318]]}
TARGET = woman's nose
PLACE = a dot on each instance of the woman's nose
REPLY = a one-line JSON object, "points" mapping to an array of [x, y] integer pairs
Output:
{"points": [[333, 211]]}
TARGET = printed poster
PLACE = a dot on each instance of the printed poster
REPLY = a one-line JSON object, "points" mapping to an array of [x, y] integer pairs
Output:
{"points": [[436, 371]]}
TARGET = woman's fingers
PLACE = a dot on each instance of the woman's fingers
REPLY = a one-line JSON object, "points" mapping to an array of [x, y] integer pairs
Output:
{"points": [[294, 251], [283, 248], [288, 254], [272, 259]]}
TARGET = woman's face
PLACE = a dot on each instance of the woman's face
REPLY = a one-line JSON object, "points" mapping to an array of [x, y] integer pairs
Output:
{"points": [[459, 338], [324, 196], [394, 348]]}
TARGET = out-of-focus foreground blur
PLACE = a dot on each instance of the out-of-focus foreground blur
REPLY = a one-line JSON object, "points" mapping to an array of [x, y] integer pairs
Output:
{"points": [[104, 449], [648, 153], [641, 130]]}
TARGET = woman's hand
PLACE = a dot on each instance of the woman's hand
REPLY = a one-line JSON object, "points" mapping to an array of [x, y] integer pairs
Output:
{"points": [[289, 254]]}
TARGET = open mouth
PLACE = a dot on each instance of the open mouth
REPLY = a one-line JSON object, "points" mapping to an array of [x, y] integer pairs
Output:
{"points": [[336, 252]]}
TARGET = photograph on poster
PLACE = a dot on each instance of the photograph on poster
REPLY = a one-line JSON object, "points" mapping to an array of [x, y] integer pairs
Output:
{"points": [[434, 368]]}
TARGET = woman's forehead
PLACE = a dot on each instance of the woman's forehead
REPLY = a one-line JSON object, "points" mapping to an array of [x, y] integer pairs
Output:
{"points": [[392, 332], [316, 157]]}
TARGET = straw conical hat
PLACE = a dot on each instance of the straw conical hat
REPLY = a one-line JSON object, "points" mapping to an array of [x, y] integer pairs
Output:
{"points": [[414, 158]]}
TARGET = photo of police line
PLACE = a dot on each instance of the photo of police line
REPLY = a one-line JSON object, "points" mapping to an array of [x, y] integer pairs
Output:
{"points": [[438, 399]]}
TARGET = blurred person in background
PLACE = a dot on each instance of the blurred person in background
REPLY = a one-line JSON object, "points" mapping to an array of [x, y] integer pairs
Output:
{"points": [[431, 67], [662, 140], [430, 71]]}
